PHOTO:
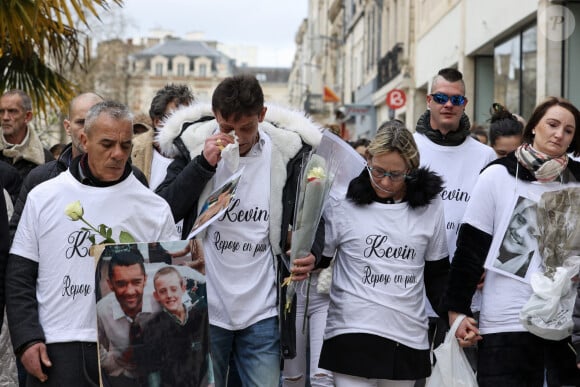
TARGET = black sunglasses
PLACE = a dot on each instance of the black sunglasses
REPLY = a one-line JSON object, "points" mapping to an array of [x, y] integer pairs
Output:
{"points": [[441, 99]]}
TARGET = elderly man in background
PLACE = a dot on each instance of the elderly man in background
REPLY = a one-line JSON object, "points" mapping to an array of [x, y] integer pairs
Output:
{"points": [[19, 143]]}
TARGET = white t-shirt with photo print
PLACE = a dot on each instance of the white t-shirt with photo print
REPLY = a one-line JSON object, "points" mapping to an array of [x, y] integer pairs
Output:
{"points": [[492, 204]]}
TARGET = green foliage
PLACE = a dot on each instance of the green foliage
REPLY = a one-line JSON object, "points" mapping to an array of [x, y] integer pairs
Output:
{"points": [[40, 38]]}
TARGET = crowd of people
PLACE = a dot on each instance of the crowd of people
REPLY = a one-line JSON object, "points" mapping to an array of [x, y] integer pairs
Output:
{"points": [[436, 225]]}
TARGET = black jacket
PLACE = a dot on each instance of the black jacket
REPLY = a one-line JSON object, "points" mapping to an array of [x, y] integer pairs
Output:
{"points": [[10, 180], [24, 166], [45, 172]]}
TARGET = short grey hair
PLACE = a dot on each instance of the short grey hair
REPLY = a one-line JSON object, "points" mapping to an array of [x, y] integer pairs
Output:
{"points": [[113, 109], [25, 100]]}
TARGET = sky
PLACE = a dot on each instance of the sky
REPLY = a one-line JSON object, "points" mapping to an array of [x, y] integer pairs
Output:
{"points": [[270, 25]]}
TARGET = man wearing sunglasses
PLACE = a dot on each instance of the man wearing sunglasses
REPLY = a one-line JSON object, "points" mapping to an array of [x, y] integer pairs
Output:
{"points": [[446, 147]]}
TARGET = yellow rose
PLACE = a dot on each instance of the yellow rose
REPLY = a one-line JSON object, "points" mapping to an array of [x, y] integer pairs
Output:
{"points": [[315, 173], [74, 210]]}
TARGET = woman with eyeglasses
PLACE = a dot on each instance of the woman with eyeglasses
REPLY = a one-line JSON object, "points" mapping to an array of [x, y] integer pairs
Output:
{"points": [[388, 239], [509, 355]]}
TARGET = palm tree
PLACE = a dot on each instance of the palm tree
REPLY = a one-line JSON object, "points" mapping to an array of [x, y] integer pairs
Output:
{"points": [[39, 40]]}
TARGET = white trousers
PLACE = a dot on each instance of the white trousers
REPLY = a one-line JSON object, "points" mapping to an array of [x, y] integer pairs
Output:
{"points": [[342, 380], [294, 374]]}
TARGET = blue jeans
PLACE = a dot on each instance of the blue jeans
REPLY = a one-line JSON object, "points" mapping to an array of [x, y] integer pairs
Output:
{"points": [[255, 350]]}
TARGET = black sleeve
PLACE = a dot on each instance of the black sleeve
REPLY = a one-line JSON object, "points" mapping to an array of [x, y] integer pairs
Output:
{"points": [[48, 156], [4, 248], [466, 268], [10, 179], [318, 245], [436, 276], [22, 305], [140, 176], [184, 184]]}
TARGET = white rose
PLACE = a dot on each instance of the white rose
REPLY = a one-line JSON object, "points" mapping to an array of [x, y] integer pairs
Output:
{"points": [[315, 173], [74, 210]]}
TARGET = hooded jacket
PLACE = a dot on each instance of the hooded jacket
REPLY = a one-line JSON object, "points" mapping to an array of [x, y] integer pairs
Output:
{"points": [[186, 185]]}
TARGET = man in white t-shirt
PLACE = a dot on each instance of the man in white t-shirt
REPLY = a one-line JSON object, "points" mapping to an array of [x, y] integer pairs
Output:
{"points": [[446, 147], [244, 247], [51, 275]]}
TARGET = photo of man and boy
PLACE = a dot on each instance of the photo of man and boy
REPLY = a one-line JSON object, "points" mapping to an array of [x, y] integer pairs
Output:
{"points": [[152, 321]]}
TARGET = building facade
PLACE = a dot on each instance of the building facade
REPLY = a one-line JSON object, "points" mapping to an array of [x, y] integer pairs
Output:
{"points": [[132, 73], [514, 53]]}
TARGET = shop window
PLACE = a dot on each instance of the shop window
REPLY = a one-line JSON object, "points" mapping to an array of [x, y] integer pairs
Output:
{"points": [[515, 72]]}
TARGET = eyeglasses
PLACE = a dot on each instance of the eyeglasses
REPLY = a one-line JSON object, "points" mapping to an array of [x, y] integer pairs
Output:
{"points": [[441, 99], [378, 173]]}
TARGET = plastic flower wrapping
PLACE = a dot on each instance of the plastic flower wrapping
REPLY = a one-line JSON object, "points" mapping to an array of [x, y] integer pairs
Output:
{"points": [[548, 312], [316, 178], [558, 226]]}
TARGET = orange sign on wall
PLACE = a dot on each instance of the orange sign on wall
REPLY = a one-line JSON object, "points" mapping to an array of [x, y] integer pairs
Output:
{"points": [[329, 95]]}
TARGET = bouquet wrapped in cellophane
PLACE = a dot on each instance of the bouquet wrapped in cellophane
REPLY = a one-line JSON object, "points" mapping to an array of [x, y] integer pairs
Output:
{"points": [[548, 312], [316, 178], [559, 234]]}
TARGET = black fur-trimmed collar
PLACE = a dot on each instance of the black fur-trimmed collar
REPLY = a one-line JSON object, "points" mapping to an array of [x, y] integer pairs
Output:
{"points": [[510, 162], [423, 186]]}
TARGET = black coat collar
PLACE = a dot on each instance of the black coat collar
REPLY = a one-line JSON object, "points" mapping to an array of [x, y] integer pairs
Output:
{"points": [[423, 186]]}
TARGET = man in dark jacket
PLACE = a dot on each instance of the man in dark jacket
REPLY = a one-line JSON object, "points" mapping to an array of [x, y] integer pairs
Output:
{"points": [[244, 247]]}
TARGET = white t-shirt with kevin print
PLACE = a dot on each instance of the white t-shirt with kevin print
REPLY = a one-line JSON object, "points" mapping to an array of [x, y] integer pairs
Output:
{"points": [[459, 166], [66, 272], [378, 283], [241, 278]]}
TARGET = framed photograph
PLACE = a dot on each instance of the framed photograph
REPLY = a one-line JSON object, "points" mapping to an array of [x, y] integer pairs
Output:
{"points": [[153, 327], [216, 204]]}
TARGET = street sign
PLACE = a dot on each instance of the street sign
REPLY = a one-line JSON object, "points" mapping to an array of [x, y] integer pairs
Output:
{"points": [[396, 99], [357, 110]]}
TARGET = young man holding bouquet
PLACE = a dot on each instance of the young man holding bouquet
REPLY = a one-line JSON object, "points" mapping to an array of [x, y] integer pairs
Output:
{"points": [[244, 248]]}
